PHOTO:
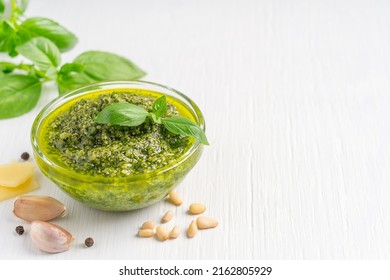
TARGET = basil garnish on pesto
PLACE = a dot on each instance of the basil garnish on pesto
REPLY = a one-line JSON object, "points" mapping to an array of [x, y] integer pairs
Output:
{"points": [[159, 107], [185, 127], [125, 114], [89, 147]]}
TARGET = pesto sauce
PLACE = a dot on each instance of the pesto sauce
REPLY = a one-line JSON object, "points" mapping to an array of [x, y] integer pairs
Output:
{"points": [[109, 150]]}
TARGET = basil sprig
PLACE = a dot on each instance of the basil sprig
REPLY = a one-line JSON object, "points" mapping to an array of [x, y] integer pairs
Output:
{"points": [[126, 114], [41, 41]]}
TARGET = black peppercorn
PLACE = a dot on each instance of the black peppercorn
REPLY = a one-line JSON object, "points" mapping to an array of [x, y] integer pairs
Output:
{"points": [[25, 156], [19, 230], [89, 242]]}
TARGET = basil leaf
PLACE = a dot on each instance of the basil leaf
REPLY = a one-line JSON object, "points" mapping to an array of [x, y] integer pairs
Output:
{"points": [[95, 66], [104, 66], [2, 6], [18, 95], [124, 114], [43, 52], [9, 38], [44, 27], [71, 67], [159, 106], [71, 77], [185, 127], [71, 81]]}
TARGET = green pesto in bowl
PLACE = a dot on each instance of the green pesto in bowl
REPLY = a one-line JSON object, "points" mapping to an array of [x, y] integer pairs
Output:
{"points": [[74, 138], [111, 167]]}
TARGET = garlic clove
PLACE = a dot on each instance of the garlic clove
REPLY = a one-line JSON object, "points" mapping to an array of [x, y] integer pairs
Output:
{"points": [[42, 208], [50, 238]]}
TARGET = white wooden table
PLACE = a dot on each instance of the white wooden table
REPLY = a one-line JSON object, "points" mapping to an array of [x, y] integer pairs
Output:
{"points": [[296, 96]]}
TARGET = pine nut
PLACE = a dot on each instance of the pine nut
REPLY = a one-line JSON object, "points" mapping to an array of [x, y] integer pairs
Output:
{"points": [[161, 233], [148, 225], [192, 230], [174, 233], [174, 198], [145, 233], [197, 208], [167, 217], [206, 222]]}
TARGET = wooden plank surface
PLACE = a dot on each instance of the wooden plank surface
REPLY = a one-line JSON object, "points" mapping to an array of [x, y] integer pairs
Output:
{"points": [[296, 96]]}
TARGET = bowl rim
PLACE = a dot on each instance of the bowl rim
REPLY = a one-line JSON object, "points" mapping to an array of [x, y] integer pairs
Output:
{"points": [[90, 88]]}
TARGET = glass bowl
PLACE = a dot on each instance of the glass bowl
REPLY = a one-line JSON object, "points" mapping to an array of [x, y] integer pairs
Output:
{"points": [[115, 193]]}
